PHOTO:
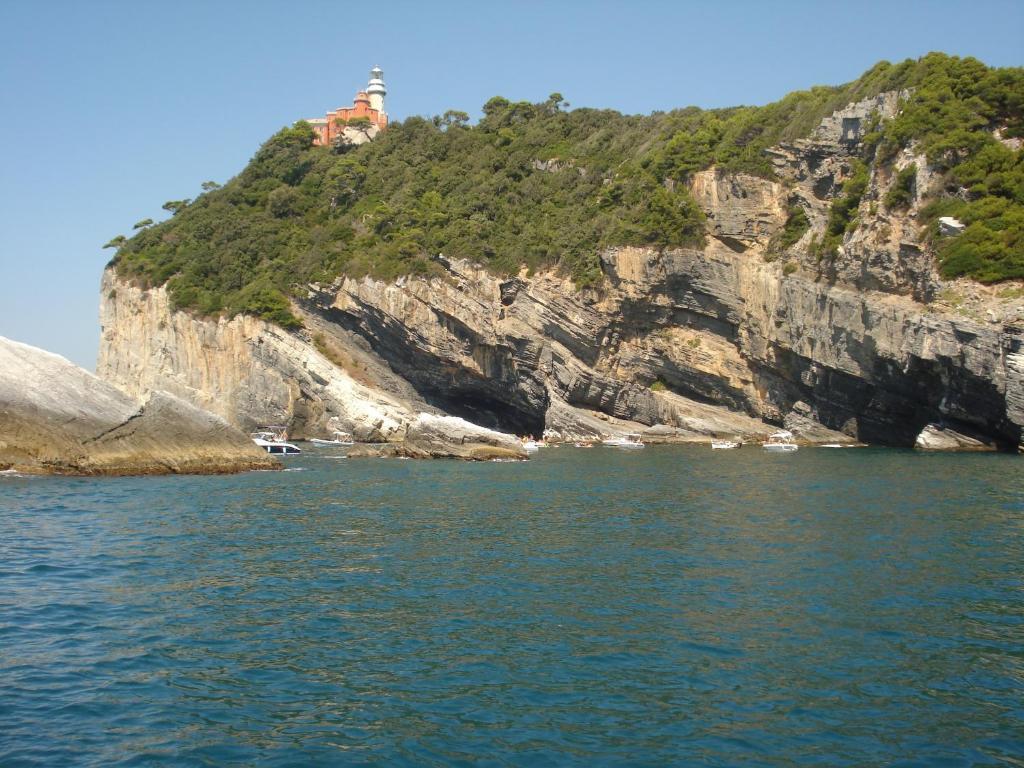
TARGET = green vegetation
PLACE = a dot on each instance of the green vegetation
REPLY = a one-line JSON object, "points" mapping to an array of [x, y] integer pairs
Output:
{"points": [[299, 213], [536, 186], [796, 226], [901, 193], [176, 206], [842, 216], [735, 139], [991, 248], [359, 123], [952, 114], [658, 386]]}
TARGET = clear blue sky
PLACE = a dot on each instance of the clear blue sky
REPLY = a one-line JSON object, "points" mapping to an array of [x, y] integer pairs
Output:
{"points": [[110, 108]]}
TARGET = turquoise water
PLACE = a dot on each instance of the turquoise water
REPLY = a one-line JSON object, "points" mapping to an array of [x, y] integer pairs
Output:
{"points": [[672, 606]]}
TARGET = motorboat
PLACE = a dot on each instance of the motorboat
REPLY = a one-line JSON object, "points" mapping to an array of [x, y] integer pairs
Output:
{"points": [[623, 441], [724, 445], [780, 442], [531, 446], [339, 438], [274, 440]]}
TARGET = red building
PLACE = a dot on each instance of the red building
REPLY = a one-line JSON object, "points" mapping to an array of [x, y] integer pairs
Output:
{"points": [[368, 105]]}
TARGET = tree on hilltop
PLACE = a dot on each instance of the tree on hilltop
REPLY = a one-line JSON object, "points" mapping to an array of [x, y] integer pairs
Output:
{"points": [[176, 206], [452, 118]]}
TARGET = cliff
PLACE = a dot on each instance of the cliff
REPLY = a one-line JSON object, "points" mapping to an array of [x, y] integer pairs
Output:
{"points": [[253, 373], [799, 283], [708, 343], [57, 418]]}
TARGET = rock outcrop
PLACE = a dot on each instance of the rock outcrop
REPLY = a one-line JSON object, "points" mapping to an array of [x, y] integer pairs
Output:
{"points": [[447, 437], [57, 418], [742, 211], [936, 437], [730, 340]]}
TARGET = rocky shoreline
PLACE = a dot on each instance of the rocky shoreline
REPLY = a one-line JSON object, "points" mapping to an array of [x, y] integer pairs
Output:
{"points": [[56, 418]]}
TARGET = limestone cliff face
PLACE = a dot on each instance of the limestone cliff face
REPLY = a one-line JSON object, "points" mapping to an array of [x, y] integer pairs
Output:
{"points": [[706, 328], [245, 370], [727, 340], [707, 342]]}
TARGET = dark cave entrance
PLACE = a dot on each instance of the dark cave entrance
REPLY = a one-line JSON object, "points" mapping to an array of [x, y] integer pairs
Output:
{"points": [[488, 412]]}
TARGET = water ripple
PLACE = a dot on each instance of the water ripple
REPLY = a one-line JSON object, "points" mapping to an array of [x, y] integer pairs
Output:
{"points": [[586, 608]]}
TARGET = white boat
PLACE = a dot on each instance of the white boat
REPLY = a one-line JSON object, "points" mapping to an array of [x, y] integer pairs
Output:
{"points": [[780, 442], [724, 445], [531, 446], [340, 438], [623, 441], [274, 440]]}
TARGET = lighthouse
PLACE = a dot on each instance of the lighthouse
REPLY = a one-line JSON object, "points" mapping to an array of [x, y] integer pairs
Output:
{"points": [[367, 108], [375, 89]]}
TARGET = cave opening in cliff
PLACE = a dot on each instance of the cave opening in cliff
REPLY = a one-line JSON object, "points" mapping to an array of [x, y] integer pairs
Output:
{"points": [[488, 412]]}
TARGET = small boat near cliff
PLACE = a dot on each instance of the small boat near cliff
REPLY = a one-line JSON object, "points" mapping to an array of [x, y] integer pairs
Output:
{"points": [[780, 442], [724, 445], [274, 440], [340, 438]]}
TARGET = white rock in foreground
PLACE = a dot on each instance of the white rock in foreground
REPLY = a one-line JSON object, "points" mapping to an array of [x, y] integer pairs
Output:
{"points": [[58, 418], [937, 438], [432, 436]]}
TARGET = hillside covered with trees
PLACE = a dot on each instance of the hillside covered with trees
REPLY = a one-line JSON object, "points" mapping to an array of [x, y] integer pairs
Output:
{"points": [[541, 185]]}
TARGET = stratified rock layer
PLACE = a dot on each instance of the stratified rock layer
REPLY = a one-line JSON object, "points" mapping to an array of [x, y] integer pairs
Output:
{"points": [[57, 418], [714, 343]]}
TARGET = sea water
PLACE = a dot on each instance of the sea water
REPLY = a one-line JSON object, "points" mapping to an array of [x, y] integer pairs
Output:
{"points": [[671, 606]]}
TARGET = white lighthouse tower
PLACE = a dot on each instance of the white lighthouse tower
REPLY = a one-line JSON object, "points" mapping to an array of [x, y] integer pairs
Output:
{"points": [[375, 89]]}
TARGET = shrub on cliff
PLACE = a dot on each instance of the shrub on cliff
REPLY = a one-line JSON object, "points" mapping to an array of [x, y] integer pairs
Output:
{"points": [[842, 215], [901, 193], [796, 227]]}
